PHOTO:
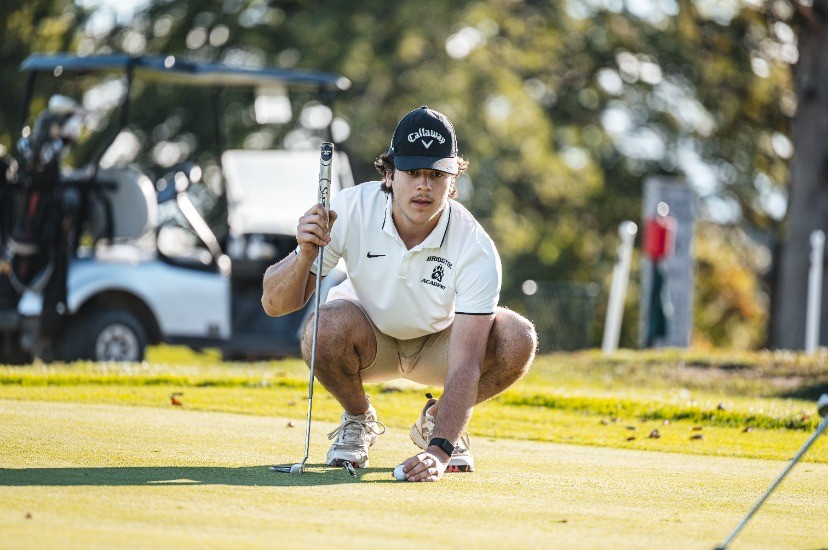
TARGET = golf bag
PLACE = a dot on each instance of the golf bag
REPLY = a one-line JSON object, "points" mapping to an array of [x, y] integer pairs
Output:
{"points": [[8, 296], [40, 230]]}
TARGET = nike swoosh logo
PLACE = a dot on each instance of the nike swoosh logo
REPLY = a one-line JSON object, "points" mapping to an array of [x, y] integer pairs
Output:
{"points": [[375, 255]]}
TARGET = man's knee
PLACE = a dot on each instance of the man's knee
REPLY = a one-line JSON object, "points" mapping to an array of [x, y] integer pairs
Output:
{"points": [[513, 340], [342, 328]]}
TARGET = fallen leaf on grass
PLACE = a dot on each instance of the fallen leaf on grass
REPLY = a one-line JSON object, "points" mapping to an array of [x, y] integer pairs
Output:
{"points": [[175, 400], [654, 434], [697, 436]]}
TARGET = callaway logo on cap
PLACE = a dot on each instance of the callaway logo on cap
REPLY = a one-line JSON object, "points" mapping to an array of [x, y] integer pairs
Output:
{"points": [[424, 138]]}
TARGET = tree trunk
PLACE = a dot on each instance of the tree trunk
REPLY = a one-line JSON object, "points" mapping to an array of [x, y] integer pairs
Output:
{"points": [[808, 201]]}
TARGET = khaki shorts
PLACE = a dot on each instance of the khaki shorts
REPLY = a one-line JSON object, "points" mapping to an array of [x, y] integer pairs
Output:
{"points": [[423, 360]]}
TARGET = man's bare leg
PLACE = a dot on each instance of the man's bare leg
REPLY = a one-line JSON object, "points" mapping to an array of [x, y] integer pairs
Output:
{"points": [[345, 344], [509, 354]]}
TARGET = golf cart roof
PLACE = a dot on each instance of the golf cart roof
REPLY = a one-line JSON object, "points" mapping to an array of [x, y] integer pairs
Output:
{"points": [[176, 69]]}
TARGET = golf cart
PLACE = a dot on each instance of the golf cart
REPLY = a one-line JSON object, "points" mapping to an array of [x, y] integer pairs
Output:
{"points": [[151, 237]]}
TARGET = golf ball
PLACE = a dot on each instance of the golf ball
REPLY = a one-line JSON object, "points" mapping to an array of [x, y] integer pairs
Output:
{"points": [[399, 475]]}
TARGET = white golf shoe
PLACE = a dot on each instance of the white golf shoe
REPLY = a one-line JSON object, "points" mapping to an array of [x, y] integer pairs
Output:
{"points": [[355, 434], [461, 459]]}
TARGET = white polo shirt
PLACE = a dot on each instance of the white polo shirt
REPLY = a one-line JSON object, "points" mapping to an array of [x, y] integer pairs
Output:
{"points": [[410, 293]]}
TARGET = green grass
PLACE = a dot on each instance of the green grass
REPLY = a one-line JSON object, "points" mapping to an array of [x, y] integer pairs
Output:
{"points": [[102, 476], [741, 404], [95, 455]]}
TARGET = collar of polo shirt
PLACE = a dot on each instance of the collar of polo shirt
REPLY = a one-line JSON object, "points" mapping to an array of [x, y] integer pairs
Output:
{"points": [[435, 239]]}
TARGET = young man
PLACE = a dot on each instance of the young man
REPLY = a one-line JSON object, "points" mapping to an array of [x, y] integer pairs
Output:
{"points": [[420, 301]]}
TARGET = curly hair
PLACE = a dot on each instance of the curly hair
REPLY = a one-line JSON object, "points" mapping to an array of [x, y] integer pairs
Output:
{"points": [[385, 166]]}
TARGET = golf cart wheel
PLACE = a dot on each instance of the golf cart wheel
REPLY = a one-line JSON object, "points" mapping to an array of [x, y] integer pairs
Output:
{"points": [[106, 335]]}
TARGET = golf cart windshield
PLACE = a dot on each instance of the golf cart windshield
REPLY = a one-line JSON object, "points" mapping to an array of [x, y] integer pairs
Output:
{"points": [[160, 113], [147, 109]]}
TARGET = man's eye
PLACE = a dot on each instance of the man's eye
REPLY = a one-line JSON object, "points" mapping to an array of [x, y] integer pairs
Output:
{"points": [[438, 175], [413, 172]]}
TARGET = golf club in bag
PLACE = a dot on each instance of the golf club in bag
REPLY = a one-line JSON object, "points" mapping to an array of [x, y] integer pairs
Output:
{"points": [[41, 214], [822, 407], [325, 162]]}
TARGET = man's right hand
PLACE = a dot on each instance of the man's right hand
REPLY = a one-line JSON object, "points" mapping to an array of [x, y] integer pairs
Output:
{"points": [[314, 230], [288, 285]]}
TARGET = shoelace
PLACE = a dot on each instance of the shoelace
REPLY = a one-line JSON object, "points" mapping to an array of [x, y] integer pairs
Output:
{"points": [[356, 428], [464, 444]]}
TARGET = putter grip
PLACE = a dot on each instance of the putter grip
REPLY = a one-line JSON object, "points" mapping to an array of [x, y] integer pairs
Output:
{"points": [[325, 162]]}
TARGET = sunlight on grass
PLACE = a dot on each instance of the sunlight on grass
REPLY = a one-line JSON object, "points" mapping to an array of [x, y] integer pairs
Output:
{"points": [[739, 404]]}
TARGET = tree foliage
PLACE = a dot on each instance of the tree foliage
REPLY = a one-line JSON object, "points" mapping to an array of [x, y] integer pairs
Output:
{"points": [[563, 109], [38, 25]]}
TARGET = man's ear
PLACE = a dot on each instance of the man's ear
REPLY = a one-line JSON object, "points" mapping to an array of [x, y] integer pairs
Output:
{"points": [[389, 178]]}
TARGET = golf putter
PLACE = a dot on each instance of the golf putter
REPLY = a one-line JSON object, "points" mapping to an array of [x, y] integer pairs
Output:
{"points": [[822, 407], [325, 162]]}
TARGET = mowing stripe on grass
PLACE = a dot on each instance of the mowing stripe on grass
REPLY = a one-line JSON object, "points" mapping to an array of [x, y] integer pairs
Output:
{"points": [[104, 476]]}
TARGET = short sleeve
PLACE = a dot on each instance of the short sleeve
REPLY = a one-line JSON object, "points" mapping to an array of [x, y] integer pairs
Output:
{"points": [[479, 278]]}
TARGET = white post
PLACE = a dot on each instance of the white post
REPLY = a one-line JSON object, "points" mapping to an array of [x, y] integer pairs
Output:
{"points": [[814, 292], [618, 291]]}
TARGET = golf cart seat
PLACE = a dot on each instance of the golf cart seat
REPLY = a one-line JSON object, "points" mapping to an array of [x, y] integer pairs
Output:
{"points": [[267, 193], [123, 205]]}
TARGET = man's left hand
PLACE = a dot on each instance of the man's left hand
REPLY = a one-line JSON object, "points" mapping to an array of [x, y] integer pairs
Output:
{"points": [[424, 466]]}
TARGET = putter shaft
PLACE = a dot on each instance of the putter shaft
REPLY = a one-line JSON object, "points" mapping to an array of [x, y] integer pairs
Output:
{"points": [[326, 159], [821, 428], [317, 299]]}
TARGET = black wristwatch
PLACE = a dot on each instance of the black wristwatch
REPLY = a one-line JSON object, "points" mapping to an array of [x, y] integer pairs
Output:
{"points": [[444, 444]]}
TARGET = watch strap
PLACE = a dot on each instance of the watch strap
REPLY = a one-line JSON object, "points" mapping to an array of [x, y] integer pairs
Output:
{"points": [[444, 444]]}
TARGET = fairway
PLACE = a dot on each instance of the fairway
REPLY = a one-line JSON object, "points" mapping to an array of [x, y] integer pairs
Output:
{"points": [[94, 476]]}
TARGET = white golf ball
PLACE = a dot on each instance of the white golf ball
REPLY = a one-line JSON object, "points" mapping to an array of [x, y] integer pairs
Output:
{"points": [[398, 473]]}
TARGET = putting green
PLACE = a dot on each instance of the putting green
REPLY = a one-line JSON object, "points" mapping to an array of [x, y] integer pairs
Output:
{"points": [[92, 476]]}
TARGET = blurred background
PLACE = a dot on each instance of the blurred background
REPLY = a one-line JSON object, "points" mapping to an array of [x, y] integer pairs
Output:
{"points": [[564, 109]]}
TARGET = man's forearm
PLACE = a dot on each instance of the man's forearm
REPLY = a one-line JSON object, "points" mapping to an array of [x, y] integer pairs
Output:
{"points": [[285, 285], [456, 404], [467, 350]]}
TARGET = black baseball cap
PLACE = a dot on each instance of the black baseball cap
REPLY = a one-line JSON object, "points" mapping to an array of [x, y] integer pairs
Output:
{"points": [[425, 138]]}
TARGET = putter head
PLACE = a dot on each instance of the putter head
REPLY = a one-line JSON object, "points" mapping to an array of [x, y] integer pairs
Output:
{"points": [[295, 469]]}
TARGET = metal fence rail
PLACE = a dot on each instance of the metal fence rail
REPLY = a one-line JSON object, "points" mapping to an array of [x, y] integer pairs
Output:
{"points": [[563, 313]]}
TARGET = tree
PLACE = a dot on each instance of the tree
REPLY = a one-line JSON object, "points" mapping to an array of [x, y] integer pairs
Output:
{"points": [[38, 25], [809, 182], [563, 109]]}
